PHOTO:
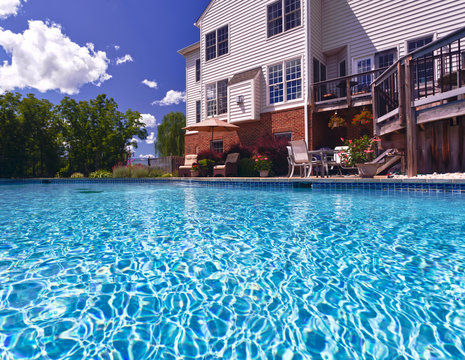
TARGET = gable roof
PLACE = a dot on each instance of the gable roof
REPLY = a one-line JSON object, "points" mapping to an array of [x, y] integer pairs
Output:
{"points": [[190, 48], [210, 4], [244, 76]]}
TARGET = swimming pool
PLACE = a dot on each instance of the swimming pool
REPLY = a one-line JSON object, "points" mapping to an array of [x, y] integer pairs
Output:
{"points": [[164, 272]]}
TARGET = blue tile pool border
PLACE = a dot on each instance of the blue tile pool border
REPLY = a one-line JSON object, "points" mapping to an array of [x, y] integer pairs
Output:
{"points": [[339, 184]]}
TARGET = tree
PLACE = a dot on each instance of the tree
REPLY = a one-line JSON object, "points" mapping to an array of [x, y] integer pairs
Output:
{"points": [[170, 135]]}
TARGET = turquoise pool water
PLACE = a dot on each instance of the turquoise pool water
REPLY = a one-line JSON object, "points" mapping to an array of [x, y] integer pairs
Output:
{"points": [[166, 272]]}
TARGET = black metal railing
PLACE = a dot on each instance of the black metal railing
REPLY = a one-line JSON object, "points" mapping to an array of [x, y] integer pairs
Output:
{"points": [[346, 87]]}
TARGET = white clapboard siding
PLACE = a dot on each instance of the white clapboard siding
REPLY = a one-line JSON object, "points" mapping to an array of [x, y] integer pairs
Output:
{"points": [[249, 46], [316, 44], [367, 26], [192, 87], [244, 111]]}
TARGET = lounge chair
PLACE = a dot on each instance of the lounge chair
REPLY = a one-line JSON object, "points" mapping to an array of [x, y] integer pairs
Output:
{"points": [[299, 157], [185, 170], [229, 168]]}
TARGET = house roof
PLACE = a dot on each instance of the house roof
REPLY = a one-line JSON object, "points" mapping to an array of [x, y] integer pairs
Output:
{"points": [[244, 76], [204, 13], [189, 48]]}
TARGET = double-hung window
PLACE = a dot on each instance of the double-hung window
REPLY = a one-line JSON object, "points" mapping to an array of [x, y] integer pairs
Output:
{"points": [[283, 15], [285, 81], [424, 67], [217, 98], [197, 111], [216, 43], [197, 70], [364, 81]]}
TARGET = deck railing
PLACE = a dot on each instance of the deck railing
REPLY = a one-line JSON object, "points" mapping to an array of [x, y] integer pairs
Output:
{"points": [[428, 77], [344, 89]]}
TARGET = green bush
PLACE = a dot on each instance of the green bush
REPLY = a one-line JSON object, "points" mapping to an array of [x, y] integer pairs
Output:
{"points": [[156, 172], [246, 168], [139, 171], [77, 175], [100, 174], [206, 167], [166, 175], [121, 172]]}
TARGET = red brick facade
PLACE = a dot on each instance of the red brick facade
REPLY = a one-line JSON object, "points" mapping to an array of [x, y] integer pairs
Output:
{"points": [[291, 120]]}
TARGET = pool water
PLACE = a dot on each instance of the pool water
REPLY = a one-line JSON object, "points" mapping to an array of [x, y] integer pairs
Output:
{"points": [[166, 272]]}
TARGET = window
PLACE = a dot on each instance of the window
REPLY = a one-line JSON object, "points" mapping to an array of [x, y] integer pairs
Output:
{"points": [[342, 68], [217, 98], [412, 45], [424, 68], [319, 74], [197, 70], [216, 146], [289, 10], [216, 43], [385, 58], [283, 136], [293, 81], [364, 81], [197, 111]]}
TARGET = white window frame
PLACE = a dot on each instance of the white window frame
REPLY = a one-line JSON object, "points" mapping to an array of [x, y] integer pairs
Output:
{"points": [[216, 42], [215, 100], [283, 17], [355, 64], [283, 66]]}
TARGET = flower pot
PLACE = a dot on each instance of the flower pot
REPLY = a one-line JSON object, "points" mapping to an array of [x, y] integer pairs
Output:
{"points": [[367, 170], [194, 173], [264, 173]]}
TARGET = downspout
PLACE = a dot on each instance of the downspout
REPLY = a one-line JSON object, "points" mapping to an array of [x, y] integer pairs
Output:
{"points": [[307, 55]]}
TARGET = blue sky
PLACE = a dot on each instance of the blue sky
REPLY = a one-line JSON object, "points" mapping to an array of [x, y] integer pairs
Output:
{"points": [[82, 48]]}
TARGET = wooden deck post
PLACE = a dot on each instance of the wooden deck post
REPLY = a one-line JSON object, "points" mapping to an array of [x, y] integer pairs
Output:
{"points": [[375, 110], [411, 126], [348, 92], [401, 89]]}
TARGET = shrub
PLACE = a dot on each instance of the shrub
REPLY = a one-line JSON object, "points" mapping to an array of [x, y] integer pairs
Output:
{"points": [[100, 174], [244, 151], [262, 163], [246, 168], [275, 150], [77, 175], [206, 167], [156, 172], [208, 154], [139, 171], [166, 175], [121, 172]]}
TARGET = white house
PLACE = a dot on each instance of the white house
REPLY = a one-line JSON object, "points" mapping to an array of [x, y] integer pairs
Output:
{"points": [[257, 60]]}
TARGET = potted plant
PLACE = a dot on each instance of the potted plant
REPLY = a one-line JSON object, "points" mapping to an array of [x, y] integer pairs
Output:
{"points": [[336, 121], [360, 152], [195, 170], [362, 118], [206, 167], [263, 165]]}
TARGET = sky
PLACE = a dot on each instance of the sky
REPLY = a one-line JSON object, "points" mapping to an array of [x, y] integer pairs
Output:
{"points": [[126, 49]]}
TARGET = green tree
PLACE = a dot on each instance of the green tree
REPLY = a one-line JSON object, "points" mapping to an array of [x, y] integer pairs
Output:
{"points": [[170, 135], [97, 135], [12, 150]]}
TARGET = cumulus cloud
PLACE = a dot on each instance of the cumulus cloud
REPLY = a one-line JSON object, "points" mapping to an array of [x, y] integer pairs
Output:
{"points": [[172, 97], [9, 7], [151, 138], [116, 47], [149, 120], [126, 58], [150, 83], [45, 59], [147, 156]]}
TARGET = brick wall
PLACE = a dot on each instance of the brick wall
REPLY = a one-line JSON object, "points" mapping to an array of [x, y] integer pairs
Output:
{"points": [[270, 123]]}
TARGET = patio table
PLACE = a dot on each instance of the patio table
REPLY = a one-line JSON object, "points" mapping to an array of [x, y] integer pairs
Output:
{"points": [[326, 157]]}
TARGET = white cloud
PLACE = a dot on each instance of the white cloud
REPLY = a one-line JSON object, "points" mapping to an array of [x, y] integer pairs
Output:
{"points": [[126, 58], [45, 59], [146, 156], [149, 120], [9, 7], [150, 83], [151, 138], [172, 97], [117, 47]]}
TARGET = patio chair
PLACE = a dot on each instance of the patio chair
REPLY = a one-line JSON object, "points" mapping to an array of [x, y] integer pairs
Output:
{"points": [[185, 170], [229, 168], [298, 156]]}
